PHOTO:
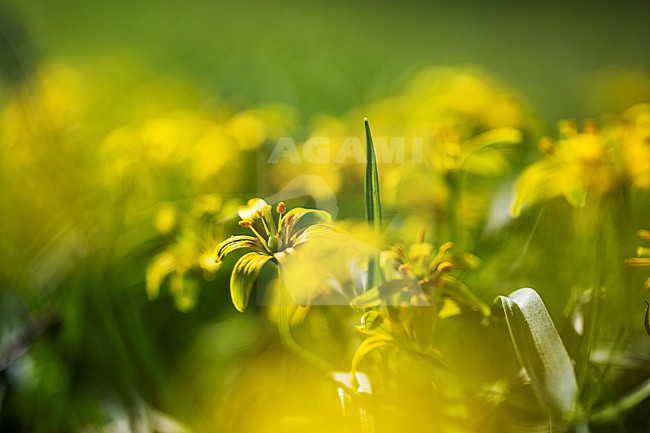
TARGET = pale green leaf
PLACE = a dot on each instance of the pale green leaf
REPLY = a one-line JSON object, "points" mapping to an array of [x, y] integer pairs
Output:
{"points": [[542, 353]]}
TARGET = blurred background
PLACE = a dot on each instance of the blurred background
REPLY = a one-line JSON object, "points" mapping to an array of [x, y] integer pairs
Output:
{"points": [[130, 131]]}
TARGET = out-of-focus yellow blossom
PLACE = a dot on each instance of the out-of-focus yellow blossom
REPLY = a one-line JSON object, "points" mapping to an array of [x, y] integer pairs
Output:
{"points": [[108, 139], [188, 256], [443, 116], [586, 165], [634, 133], [444, 124], [416, 281], [166, 219], [187, 143]]}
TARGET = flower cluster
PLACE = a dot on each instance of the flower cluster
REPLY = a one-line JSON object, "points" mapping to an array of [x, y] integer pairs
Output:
{"points": [[418, 281]]}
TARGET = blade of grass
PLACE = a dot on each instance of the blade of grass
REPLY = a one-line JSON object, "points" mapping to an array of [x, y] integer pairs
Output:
{"points": [[373, 206]]}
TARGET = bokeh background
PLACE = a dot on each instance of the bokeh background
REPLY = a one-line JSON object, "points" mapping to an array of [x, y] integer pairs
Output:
{"points": [[129, 129]]}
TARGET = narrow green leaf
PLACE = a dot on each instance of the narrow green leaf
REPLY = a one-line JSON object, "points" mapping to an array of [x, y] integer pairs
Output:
{"points": [[243, 277], [373, 206], [542, 353]]}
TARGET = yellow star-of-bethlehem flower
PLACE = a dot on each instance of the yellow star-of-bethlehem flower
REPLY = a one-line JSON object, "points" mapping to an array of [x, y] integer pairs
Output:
{"points": [[271, 242], [417, 280]]}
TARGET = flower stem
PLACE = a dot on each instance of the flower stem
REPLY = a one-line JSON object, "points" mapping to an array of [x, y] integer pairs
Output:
{"points": [[611, 411]]}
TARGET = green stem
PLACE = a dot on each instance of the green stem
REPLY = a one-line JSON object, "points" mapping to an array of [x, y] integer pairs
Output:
{"points": [[589, 221], [323, 367], [612, 411], [455, 229]]}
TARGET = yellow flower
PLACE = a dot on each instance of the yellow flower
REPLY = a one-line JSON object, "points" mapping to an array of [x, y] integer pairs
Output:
{"points": [[416, 280], [188, 256], [271, 242], [590, 163], [635, 144]]}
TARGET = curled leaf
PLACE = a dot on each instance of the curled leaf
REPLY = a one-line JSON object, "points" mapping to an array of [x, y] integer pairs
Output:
{"points": [[542, 353]]}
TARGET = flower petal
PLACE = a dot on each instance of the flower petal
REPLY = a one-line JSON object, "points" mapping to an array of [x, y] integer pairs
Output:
{"points": [[244, 276], [327, 235], [300, 218], [541, 181], [161, 266], [462, 294], [249, 211], [234, 243]]}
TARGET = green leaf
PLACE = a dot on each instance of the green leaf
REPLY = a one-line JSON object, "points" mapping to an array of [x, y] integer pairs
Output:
{"points": [[542, 353], [373, 206], [244, 276]]}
